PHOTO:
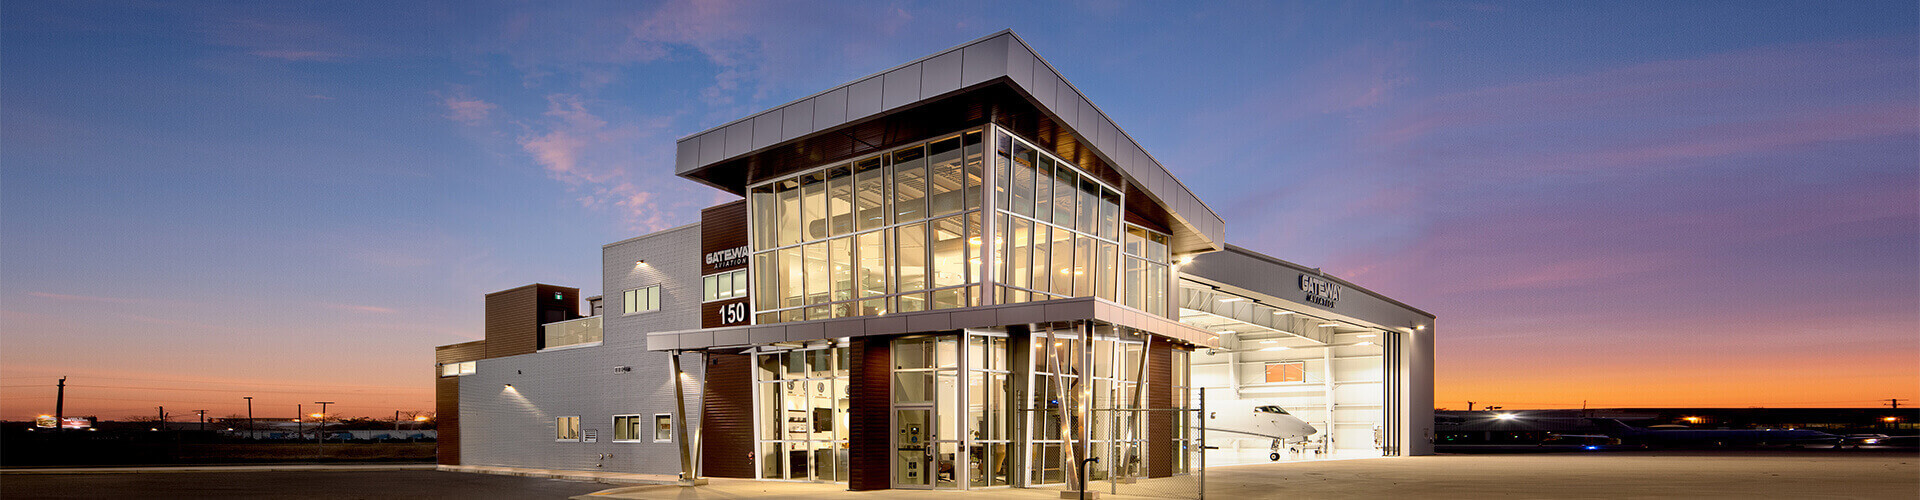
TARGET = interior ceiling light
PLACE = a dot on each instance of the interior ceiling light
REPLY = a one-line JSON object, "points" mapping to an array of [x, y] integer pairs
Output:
{"points": [[1329, 325], [1224, 332], [1233, 299], [1276, 348], [1363, 344], [1368, 336], [1269, 341], [1283, 313]]}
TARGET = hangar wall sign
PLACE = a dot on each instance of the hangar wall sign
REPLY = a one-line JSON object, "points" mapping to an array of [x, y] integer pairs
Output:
{"points": [[1320, 290]]}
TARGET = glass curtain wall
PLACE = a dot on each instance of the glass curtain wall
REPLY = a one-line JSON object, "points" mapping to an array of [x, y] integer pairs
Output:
{"points": [[930, 430], [894, 231], [1118, 436], [1058, 228], [1110, 363], [802, 407], [1147, 276], [1054, 373], [989, 435]]}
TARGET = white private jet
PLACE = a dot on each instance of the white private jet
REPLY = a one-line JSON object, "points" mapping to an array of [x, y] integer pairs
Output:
{"points": [[1253, 419]]}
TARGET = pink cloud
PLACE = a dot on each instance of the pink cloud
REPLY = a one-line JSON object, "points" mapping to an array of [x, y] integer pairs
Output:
{"points": [[467, 110], [599, 160], [82, 298]]}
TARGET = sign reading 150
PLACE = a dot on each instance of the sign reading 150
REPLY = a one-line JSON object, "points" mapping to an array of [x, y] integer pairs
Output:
{"points": [[733, 313]]}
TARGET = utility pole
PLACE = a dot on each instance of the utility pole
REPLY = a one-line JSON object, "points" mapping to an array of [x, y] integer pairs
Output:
{"points": [[320, 429], [203, 419], [1894, 402], [163, 416], [60, 406], [249, 416], [1469, 406], [299, 417], [396, 421]]}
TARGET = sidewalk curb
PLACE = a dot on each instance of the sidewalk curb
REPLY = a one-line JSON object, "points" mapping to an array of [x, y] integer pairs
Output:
{"points": [[228, 468], [587, 476]]}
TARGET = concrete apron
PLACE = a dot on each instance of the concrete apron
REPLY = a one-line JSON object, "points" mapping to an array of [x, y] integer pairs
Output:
{"points": [[571, 475]]}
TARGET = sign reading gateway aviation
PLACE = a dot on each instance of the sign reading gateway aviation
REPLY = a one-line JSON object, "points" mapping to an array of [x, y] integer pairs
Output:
{"points": [[731, 257], [1319, 290]]}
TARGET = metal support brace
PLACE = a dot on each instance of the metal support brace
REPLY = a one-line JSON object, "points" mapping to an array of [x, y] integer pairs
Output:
{"points": [[688, 477]]}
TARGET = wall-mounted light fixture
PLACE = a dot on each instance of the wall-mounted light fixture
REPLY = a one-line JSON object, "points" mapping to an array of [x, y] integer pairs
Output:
{"points": [[640, 262]]}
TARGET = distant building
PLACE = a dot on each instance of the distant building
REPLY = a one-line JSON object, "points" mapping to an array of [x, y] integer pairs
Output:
{"points": [[954, 274]]}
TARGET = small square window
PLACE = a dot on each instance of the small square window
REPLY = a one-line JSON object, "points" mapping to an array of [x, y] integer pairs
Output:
{"points": [[566, 428], [662, 428], [1290, 371]]}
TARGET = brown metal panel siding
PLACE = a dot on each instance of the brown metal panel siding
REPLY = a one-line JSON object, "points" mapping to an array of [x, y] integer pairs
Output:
{"points": [[868, 431], [726, 417], [1160, 395], [722, 227], [514, 316], [710, 313], [513, 322], [446, 408], [465, 351]]}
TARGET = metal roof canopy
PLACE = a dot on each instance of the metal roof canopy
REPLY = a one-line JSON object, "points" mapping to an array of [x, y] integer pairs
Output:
{"points": [[997, 79]]}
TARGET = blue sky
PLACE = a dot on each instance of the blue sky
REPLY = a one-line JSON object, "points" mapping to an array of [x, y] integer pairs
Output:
{"points": [[305, 197]]}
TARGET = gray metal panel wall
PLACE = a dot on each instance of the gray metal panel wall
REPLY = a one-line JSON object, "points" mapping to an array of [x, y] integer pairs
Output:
{"points": [[713, 146], [739, 138], [515, 428], [830, 109], [766, 129], [902, 87], [940, 75], [797, 120], [863, 99]]}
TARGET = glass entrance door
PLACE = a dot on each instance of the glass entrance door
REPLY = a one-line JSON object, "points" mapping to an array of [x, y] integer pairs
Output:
{"points": [[913, 445]]}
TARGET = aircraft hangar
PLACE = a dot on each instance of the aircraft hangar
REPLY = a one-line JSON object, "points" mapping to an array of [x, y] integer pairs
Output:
{"points": [[1354, 365]]}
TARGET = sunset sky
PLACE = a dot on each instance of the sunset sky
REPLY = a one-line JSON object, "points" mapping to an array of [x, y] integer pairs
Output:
{"points": [[1616, 203]]}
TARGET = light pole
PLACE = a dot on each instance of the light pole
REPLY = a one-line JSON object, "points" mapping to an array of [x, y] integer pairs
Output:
{"points": [[321, 429], [249, 416]]}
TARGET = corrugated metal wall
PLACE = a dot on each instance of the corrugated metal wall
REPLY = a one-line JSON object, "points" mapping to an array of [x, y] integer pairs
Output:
{"points": [[727, 417]]}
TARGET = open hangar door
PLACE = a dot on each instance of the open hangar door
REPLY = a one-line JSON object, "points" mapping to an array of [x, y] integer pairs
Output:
{"points": [[1287, 385]]}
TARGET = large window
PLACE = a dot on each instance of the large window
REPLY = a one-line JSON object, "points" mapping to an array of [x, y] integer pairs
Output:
{"points": [[895, 231], [566, 428], [724, 286], [801, 401], [1058, 227], [641, 300], [1147, 279]]}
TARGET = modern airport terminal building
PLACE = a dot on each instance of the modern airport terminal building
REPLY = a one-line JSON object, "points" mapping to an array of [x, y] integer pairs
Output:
{"points": [[954, 274]]}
